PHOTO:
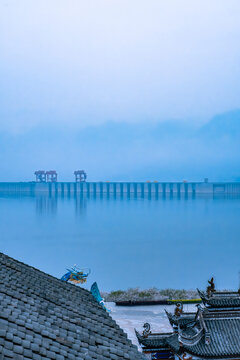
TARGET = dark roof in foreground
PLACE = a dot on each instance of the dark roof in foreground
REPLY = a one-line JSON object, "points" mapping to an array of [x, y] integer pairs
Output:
{"points": [[42, 318], [215, 334], [220, 299], [212, 333]]}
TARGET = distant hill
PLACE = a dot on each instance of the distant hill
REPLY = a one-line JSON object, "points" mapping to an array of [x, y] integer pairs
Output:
{"points": [[223, 125], [124, 133], [167, 150]]}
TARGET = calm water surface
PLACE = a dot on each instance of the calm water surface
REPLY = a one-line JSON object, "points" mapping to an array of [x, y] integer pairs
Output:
{"points": [[163, 242], [130, 318]]}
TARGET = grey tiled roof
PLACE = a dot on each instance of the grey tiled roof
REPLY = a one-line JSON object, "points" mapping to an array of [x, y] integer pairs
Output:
{"points": [[223, 334], [213, 333], [182, 320], [43, 318], [159, 341], [221, 299], [224, 339], [155, 340]]}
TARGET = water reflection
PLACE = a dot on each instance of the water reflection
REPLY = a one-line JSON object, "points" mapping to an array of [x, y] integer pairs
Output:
{"points": [[46, 205], [127, 240], [80, 205]]}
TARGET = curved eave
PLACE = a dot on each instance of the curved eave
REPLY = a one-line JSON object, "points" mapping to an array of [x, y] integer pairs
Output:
{"points": [[153, 340], [182, 320], [139, 337], [170, 318], [191, 341], [203, 296]]}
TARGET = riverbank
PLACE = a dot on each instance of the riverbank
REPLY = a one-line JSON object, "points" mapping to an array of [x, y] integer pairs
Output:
{"points": [[136, 295]]}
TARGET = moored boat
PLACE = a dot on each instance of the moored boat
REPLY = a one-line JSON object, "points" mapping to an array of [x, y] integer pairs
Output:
{"points": [[157, 302]]}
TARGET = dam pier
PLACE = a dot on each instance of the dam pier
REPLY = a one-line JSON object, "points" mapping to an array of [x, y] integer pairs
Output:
{"points": [[120, 188]]}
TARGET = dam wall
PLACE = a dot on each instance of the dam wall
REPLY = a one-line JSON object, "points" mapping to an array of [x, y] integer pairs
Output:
{"points": [[120, 188]]}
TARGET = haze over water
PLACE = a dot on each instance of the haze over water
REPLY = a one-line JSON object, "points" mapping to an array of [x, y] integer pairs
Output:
{"points": [[127, 242], [127, 91]]}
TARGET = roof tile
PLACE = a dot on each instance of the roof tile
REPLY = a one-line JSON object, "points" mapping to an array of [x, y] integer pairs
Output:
{"points": [[42, 317]]}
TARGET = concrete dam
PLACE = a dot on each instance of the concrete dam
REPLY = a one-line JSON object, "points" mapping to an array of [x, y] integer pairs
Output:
{"points": [[120, 188]]}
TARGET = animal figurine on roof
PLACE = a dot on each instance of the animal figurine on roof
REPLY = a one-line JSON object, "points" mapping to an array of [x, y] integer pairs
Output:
{"points": [[76, 275], [178, 309], [211, 287], [147, 330]]}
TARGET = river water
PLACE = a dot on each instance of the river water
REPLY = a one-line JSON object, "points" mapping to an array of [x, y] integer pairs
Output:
{"points": [[130, 318], [127, 242]]}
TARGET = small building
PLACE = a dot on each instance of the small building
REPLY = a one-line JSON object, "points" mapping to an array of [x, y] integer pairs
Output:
{"points": [[40, 175], [213, 332], [80, 176], [42, 318], [51, 176]]}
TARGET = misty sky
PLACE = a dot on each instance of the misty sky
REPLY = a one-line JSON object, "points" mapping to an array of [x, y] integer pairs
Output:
{"points": [[83, 83], [87, 62]]}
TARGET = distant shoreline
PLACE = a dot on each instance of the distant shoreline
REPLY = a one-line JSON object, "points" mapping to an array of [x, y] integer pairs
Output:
{"points": [[157, 302], [136, 296]]}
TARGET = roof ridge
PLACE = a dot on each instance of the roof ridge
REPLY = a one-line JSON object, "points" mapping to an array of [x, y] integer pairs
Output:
{"points": [[44, 274]]}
